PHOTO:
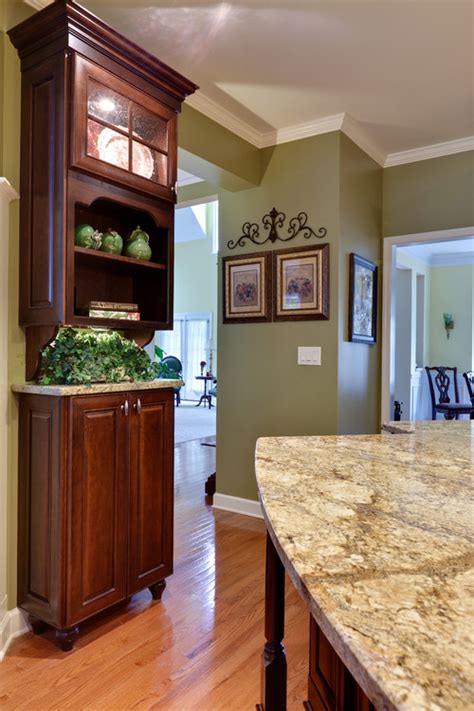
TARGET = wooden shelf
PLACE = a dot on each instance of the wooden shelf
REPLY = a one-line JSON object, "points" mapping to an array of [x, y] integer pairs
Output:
{"points": [[114, 260], [120, 324]]}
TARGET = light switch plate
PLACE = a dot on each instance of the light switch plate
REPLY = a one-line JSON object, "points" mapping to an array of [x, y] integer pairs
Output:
{"points": [[309, 355]]}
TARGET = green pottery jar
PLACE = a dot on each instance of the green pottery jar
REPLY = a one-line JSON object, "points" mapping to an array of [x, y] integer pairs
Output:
{"points": [[112, 242], [137, 246], [86, 236]]}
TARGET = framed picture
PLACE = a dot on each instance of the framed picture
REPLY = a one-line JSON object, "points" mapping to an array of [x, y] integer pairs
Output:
{"points": [[301, 283], [362, 300], [247, 288]]}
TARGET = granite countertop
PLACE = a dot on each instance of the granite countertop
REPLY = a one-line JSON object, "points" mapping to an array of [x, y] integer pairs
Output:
{"points": [[96, 388], [376, 533], [461, 428]]}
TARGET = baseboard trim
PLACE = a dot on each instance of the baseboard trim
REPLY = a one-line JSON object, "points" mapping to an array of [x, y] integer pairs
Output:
{"points": [[235, 504], [13, 624]]}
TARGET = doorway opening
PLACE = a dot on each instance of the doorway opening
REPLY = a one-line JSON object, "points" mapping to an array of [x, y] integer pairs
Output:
{"points": [[193, 339], [428, 312]]}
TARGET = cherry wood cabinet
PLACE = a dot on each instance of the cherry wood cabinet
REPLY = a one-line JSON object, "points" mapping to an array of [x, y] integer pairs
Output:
{"points": [[331, 687], [99, 147], [95, 503]]}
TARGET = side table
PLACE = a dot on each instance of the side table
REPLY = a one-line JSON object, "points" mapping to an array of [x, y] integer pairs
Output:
{"points": [[205, 397]]}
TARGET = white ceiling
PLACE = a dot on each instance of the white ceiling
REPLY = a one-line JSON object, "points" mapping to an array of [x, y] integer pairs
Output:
{"points": [[273, 70], [453, 252], [185, 178]]}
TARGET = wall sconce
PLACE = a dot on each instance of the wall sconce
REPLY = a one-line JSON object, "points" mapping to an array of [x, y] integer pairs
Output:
{"points": [[448, 323]]}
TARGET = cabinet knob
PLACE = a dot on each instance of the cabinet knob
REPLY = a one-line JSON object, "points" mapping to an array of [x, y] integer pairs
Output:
{"points": [[124, 408], [138, 406]]}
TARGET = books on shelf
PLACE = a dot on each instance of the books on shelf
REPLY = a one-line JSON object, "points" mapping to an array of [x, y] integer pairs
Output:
{"points": [[112, 309]]}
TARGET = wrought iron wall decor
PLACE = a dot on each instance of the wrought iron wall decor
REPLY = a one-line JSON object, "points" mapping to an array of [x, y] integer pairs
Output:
{"points": [[272, 222]]}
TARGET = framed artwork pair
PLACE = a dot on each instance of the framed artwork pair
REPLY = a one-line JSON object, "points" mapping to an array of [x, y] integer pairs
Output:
{"points": [[284, 285]]}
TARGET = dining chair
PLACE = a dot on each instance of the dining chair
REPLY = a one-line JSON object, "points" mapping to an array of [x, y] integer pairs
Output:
{"points": [[441, 377], [469, 378]]}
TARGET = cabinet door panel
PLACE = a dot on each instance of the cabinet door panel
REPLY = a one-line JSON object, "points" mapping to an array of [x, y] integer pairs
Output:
{"points": [[99, 483], [42, 176], [121, 133], [151, 488], [331, 687], [40, 506]]}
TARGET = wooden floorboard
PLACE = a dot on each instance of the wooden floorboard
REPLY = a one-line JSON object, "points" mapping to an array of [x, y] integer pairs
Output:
{"points": [[198, 649]]}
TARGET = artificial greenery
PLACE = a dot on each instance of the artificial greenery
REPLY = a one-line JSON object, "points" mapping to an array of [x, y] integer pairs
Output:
{"points": [[83, 356]]}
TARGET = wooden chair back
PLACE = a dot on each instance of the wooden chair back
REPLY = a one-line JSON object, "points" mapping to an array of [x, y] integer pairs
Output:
{"points": [[469, 378], [439, 376]]}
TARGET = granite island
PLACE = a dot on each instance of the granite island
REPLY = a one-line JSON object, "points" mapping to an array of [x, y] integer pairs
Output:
{"points": [[376, 534]]}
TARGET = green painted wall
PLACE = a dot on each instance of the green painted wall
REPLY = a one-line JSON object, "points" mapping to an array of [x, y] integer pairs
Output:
{"points": [[10, 150], [360, 230], [212, 152], [452, 292], [435, 194], [262, 390]]}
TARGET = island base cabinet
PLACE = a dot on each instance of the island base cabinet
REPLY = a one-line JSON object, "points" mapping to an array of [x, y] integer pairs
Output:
{"points": [[331, 687], [95, 503]]}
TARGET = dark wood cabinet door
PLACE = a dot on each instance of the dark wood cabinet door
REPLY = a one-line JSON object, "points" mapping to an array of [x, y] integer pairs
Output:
{"points": [[42, 199], [98, 496], [121, 133], [151, 488], [41, 517], [331, 687]]}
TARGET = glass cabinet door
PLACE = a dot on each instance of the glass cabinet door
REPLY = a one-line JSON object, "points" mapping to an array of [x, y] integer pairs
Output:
{"points": [[121, 133]]}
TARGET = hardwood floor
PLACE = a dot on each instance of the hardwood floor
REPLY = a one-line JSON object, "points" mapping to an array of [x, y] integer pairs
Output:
{"points": [[199, 649]]}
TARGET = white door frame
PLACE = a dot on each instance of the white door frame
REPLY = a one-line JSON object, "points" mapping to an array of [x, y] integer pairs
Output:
{"points": [[388, 303]]}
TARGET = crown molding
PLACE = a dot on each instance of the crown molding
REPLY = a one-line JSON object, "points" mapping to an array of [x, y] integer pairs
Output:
{"points": [[436, 150], [337, 122], [301, 130], [224, 118], [354, 130]]}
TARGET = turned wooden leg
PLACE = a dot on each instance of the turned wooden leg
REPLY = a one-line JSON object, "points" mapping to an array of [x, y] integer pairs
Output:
{"points": [[37, 626], [65, 638], [273, 691], [157, 589]]}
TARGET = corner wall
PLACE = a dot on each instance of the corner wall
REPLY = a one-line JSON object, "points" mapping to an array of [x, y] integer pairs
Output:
{"points": [[262, 390], [361, 224]]}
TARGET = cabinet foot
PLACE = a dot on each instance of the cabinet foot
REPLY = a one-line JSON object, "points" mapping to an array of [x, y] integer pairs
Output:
{"points": [[37, 626], [65, 638], [157, 589]]}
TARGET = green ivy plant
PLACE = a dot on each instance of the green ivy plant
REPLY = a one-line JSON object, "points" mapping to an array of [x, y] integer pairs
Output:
{"points": [[80, 356]]}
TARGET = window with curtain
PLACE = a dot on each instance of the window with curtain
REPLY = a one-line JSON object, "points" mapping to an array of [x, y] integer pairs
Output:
{"points": [[189, 341]]}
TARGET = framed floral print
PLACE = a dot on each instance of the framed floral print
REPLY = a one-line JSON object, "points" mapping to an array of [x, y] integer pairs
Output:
{"points": [[247, 288], [301, 277], [362, 300]]}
